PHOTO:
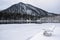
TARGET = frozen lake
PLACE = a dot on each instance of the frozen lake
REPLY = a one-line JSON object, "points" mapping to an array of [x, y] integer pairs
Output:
{"points": [[28, 31]]}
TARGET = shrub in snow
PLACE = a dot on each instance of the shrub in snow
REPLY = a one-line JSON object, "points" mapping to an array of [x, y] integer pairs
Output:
{"points": [[47, 33]]}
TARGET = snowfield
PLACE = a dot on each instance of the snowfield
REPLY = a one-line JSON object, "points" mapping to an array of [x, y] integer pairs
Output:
{"points": [[28, 31]]}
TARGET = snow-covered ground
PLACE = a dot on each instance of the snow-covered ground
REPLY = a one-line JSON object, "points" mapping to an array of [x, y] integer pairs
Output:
{"points": [[28, 31]]}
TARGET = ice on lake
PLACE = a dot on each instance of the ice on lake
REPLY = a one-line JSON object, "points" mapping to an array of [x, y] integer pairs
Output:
{"points": [[28, 31]]}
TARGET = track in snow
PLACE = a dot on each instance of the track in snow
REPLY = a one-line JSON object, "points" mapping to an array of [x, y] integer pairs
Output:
{"points": [[28, 31]]}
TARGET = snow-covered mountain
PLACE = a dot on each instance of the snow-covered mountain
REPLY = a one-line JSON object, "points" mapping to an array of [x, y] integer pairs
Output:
{"points": [[22, 11], [25, 9]]}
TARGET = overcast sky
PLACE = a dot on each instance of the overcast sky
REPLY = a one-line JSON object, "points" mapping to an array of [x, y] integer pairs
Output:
{"points": [[48, 5]]}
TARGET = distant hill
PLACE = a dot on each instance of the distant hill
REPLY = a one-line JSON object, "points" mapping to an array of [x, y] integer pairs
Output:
{"points": [[22, 11]]}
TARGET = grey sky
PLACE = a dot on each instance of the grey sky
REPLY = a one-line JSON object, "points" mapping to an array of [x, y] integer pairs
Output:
{"points": [[48, 5]]}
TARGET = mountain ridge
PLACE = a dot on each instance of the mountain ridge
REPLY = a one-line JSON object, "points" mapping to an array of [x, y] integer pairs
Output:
{"points": [[22, 11], [26, 8]]}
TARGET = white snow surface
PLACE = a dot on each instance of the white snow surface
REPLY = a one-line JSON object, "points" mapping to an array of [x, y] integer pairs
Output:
{"points": [[28, 31]]}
